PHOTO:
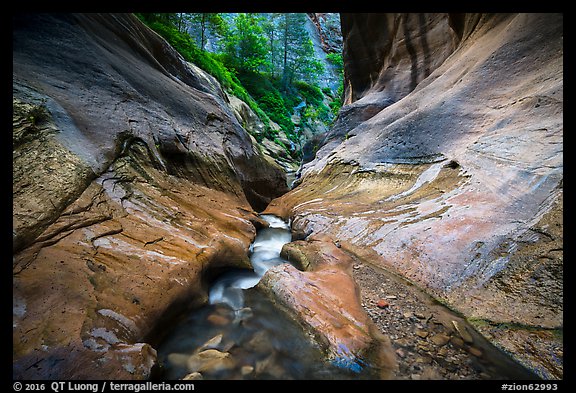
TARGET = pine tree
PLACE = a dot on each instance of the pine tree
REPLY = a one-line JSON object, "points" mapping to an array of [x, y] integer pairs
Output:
{"points": [[298, 51], [203, 23], [246, 46], [270, 27]]}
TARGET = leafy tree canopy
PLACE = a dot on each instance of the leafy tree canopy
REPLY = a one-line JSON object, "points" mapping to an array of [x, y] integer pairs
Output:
{"points": [[267, 60]]}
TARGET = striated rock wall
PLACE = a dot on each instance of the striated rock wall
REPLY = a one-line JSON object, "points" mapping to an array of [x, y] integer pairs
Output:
{"points": [[328, 29], [446, 167], [133, 180], [326, 37]]}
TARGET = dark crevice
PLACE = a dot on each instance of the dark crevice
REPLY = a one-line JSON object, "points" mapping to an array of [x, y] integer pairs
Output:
{"points": [[456, 22], [424, 43], [411, 52]]}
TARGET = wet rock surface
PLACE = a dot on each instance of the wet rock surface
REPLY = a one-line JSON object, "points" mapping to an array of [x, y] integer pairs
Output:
{"points": [[257, 342], [131, 251], [452, 178], [132, 181], [245, 334], [324, 300]]}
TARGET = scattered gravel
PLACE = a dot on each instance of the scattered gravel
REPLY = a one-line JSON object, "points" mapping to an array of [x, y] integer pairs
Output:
{"points": [[430, 341]]}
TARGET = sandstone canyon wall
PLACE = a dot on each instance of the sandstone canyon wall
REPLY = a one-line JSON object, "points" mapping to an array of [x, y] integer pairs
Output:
{"points": [[133, 180], [446, 167]]}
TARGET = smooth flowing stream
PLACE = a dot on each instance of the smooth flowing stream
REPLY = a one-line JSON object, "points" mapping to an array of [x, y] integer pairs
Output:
{"points": [[240, 334], [265, 253]]}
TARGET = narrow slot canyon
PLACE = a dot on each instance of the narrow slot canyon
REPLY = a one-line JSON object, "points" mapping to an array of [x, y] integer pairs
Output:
{"points": [[287, 196]]}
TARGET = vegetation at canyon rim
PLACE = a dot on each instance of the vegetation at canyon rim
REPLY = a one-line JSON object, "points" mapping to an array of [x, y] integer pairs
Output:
{"points": [[266, 60]]}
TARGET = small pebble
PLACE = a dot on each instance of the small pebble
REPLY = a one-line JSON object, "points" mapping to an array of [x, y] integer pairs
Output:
{"points": [[245, 370], [457, 342], [475, 351], [382, 303], [440, 339]]}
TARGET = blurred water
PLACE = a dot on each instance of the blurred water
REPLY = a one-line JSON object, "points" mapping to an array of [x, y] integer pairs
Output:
{"points": [[240, 334], [265, 249], [260, 343]]}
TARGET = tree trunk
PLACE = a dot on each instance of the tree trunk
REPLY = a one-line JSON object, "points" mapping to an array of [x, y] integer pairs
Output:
{"points": [[180, 18], [285, 68], [202, 29], [272, 58]]}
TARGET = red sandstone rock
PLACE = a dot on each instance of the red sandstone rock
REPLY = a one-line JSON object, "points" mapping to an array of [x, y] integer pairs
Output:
{"points": [[325, 300], [382, 303], [132, 179]]}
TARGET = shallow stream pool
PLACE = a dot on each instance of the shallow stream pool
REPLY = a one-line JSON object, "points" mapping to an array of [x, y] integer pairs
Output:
{"points": [[240, 334]]}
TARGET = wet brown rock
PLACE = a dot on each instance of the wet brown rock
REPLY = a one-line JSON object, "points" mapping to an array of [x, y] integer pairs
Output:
{"points": [[178, 359], [195, 376], [429, 373], [269, 367], [213, 343], [440, 339], [457, 341], [324, 300], [218, 320], [246, 370], [294, 253], [121, 361], [119, 226], [463, 332], [260, 343], [210, 361], [47, 177], [132, 180]]}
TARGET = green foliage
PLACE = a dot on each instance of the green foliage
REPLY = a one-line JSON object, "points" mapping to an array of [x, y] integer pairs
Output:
{"points": [[336, 60], [266, 60], [327, 92], [337, 103], [202, 23], [209, 62], [315, 109], [298, 59], [273, 104], [312, 94], [268, 98], [245, 44]]}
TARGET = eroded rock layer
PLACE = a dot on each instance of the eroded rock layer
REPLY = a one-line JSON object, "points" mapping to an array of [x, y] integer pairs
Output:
{"points": [[326, 302], [446, 167], [132, 181]]}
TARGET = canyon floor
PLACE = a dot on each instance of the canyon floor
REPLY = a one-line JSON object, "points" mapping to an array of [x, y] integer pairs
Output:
{"points": [[430, 341]]}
